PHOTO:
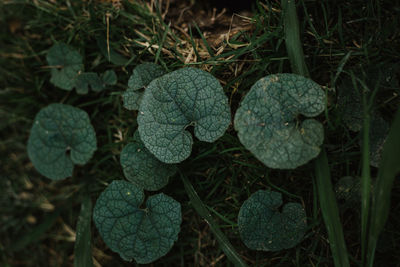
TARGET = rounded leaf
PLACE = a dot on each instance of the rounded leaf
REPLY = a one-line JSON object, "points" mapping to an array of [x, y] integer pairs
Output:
{"points": [[268, 125], [86, 79], [66, 64], [61, 136], [263, 227], [141, 234], [141, 76], [175, 101], [142, 168]]}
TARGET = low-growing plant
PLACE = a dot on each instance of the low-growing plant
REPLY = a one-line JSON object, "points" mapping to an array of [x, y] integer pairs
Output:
{"points": [[277, 121]]}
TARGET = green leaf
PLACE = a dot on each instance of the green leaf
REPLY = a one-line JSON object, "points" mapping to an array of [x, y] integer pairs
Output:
{"points": [[175, 101], [111, 55], [263, 227], [61, 136], [142, 168], [83, 244], [87, 79], [66, 64], [109, 77], [141, 76], [141, 234], [268, 124]]}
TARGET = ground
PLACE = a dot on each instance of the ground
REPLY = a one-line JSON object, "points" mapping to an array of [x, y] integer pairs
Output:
{"points": [[238, 44]]}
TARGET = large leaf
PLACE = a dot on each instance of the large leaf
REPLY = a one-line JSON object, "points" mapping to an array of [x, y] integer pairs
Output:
{"points": [[142, 168], [61, 136], [175, 101], [66, 64], [268, 124], [141, 76], [263, 227], [141, 234]]}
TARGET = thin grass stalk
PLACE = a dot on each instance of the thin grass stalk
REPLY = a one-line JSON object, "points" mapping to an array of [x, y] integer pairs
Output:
{"points": [[327, 199], [202, 210], [292, 38], [389, 167], [330, 211]]}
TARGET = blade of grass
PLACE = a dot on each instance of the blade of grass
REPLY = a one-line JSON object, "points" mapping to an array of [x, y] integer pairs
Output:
{"points": [[83, 244], [202, 210], [388, 168], [330, 211], [292, 38]]}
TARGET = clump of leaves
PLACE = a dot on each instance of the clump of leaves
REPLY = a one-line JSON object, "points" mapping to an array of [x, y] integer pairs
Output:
{"points": [[268, 121], [141, 76], [61, 136], [67, 71], [175, 101], [142, 168], [263, 227], [134, 233]]}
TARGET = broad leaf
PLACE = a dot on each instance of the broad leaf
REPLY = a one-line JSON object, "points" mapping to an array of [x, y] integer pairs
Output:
{"points": [[141, 76], [175, 101], [263, 227], [142, 168], [66, 64], [268, 122], [61, 136], [141, 234], [87, 79], [109, 77]]}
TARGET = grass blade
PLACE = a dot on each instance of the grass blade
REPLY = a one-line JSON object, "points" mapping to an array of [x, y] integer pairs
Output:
{"points": [[389, 167], [201, 209], [292, 38], [330, 211], [83, 246]]}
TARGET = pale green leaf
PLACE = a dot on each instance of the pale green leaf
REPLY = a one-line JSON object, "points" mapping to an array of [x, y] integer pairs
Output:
{"points": [[269, 125], [175, 101]]}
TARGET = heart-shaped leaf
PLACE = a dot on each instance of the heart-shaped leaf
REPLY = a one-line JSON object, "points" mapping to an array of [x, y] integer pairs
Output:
{"points": [[263, 227], [142, 168], [141, 76], [141, 234], [175, 101], [61, 136], [87, 79], [268, 125], [66, 64]]}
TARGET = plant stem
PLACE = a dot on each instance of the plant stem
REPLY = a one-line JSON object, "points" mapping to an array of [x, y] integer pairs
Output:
{"points": [[330, 211], [202, 210], [388, 168]]}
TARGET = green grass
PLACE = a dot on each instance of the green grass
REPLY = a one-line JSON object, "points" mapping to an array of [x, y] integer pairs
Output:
{"points": [[337, 37]]}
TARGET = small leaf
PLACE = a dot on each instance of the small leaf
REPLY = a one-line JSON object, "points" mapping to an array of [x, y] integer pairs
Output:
{"points": [[109, 77], [175, 101], [61, 136], [87, 79], [142, 168], [66, 64], [263, 227], [141, 76], [268, 125], [141, 234]]}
